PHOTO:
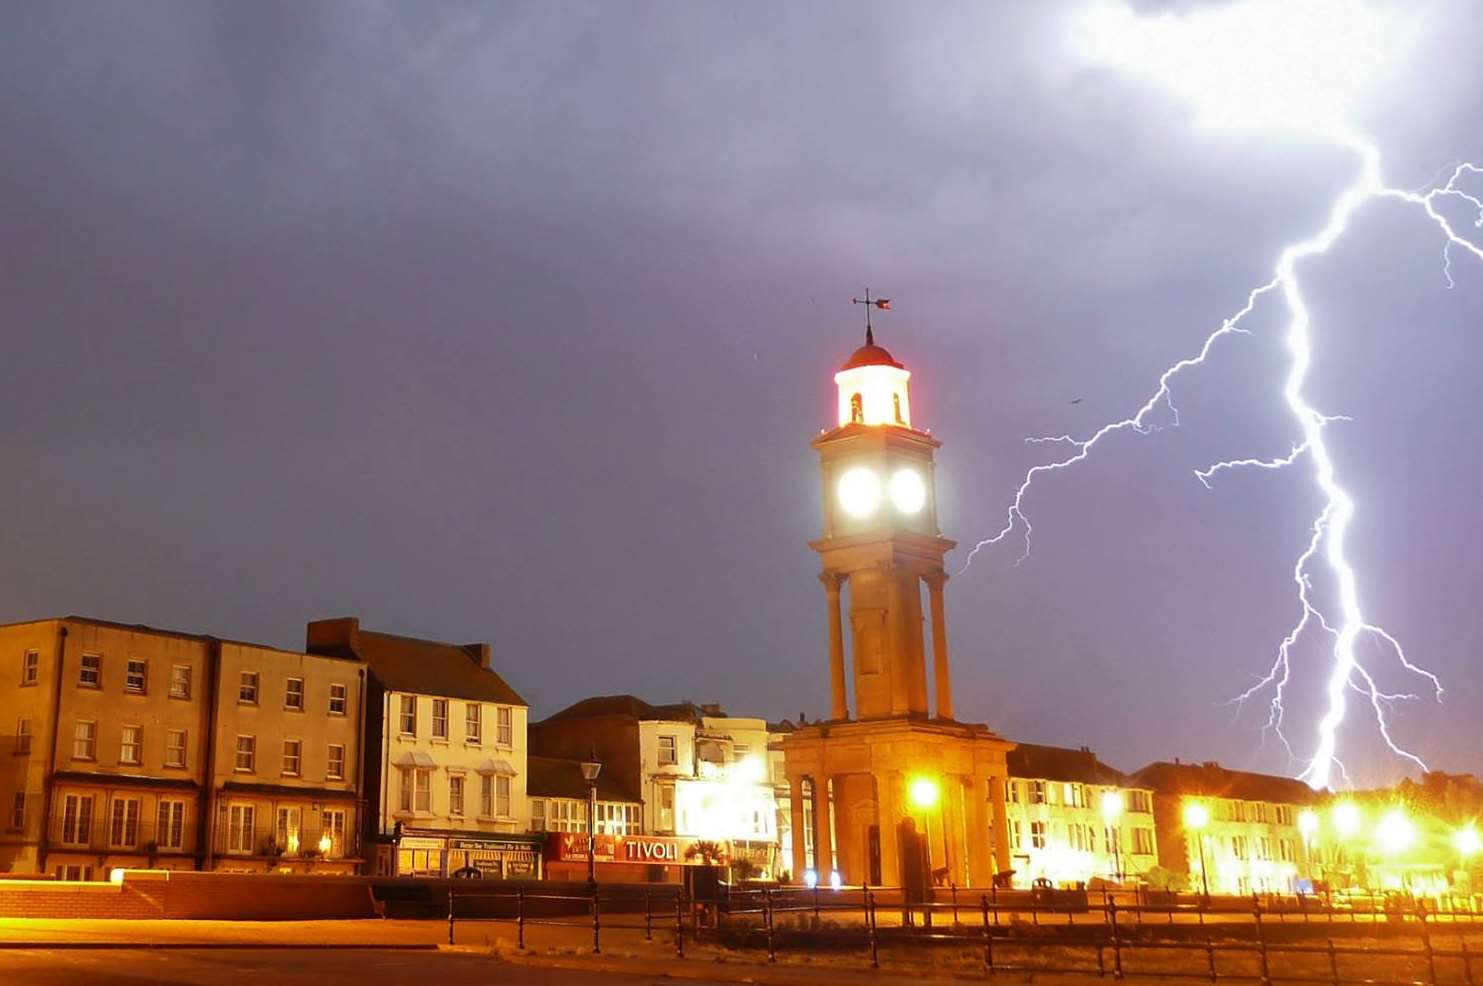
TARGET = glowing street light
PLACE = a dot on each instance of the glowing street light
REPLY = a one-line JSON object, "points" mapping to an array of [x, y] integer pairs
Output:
{"points": [[1467, 841], [1307, 823], [1347, 819], [1112, 810], [924, 792], [1396, 833], [1196, 817]]}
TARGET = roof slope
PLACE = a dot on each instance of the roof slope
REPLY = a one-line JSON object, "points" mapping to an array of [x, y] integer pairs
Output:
{"points": [[1212, 780], [1057, 763], [555, 777], [410, 664], [629, 707]]}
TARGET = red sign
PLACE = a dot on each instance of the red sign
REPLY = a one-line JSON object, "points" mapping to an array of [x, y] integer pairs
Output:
{"points": [[624, 849]]}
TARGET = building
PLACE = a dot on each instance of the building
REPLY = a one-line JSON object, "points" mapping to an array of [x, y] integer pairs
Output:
{"points": [[559, 805], [699, 776], [1230, 831], [286, 761], [445, 771], [896, 789], [139, 747], [1072, 819]]}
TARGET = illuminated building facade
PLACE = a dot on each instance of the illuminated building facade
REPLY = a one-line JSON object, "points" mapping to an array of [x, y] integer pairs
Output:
{"points": [[445, 777], [898, 778], [136, 747], [1235, 831], [1072, 819]]}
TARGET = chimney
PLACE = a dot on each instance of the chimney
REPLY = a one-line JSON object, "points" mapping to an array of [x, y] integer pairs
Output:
{"points": [[340, 635], [711, 708], [479, 654]]}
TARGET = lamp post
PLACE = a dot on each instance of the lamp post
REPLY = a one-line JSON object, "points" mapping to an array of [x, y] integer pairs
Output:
{"points": [[1308, 827], [1196, 817], [590, 770], [1112, 811], [924, 794]]}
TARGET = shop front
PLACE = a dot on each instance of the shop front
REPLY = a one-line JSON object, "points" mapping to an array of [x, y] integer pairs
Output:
{"points": [[626, 858], [430, 853]]}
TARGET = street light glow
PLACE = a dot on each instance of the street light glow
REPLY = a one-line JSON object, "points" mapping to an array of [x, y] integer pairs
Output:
{"points": [[1112, 806], [1347, 819], [1467, 841], [924, 792], [1196, 815], [1307, 822], [1396, 833]]}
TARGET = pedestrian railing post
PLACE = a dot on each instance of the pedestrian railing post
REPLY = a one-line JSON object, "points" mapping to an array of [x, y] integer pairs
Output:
{"points": [[596, 924], [995, 891], [450, 914], [1210, 957], [520, 917], [875, 961], [816, 907], [1467, 962], [955, 906], [1333, 964], [1426, 944], [648, 914], [767, 917], [1117, 945], [680, 923], [1261, 940]]}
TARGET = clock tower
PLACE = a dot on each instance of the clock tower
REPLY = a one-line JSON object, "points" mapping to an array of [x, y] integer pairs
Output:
{"points": [[902, 779]]}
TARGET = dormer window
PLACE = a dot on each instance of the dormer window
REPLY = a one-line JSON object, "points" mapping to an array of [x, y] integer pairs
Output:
{"points": [[857, 409], [896, 408]]}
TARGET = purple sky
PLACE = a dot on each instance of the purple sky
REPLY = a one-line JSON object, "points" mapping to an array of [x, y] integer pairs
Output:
{"points": [[512, 322]]}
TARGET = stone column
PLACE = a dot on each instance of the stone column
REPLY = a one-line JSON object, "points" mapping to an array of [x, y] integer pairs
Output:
{"points": [[1001, 824], [795, 809], [888, 815], [841, 709], [823, 832], [980, 860], [940, 674]]}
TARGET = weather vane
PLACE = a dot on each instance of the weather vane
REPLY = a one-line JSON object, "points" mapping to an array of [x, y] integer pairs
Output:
{"points": [[884, 304]]}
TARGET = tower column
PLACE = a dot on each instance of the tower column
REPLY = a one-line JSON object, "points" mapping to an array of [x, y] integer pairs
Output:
{"points": [[823, 829], [795, 811], [980, 860], [841, 709], [1001, 824], [940, 674]]}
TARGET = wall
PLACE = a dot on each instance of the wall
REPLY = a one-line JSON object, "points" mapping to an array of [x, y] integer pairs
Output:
{"points": [[206, 896]]}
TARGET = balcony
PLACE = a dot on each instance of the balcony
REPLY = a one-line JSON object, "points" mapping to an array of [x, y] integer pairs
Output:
{"points": [[141, 839], [264, 842]]}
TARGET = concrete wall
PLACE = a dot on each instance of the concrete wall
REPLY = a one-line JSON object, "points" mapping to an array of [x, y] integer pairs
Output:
{"points": [[205, 896]]}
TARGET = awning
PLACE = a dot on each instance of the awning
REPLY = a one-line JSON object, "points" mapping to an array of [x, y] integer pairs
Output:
{"points": [[496, 767], [414, 758]]}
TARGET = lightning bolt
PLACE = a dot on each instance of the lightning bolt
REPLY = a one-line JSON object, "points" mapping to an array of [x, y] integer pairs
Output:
{"points": [[1331, 527]]}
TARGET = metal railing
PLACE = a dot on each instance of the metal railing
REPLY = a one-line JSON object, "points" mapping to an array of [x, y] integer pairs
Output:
{"points": [[265, 841], [99, 835], [1260, 939]]}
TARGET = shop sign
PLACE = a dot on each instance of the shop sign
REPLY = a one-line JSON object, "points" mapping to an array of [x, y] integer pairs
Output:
{"points": [[492, 845], [659, 849], [419, 842]]}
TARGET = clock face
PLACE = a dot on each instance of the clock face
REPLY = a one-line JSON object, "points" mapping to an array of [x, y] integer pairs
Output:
{"points": [[859, 492], [908, 491]]}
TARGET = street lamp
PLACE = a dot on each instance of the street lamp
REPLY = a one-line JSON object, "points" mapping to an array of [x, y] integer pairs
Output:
{"points": [[925, 793], [1112, 810], [1307, 827], [1347, 819], [1196, 817], [590, 770], [1396, 833]]}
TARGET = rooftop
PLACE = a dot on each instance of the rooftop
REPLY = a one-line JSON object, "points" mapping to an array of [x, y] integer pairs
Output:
{"points": [[411, 664]]}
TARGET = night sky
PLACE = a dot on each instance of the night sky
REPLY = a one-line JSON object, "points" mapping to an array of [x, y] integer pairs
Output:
{"points": [[512, 322]]}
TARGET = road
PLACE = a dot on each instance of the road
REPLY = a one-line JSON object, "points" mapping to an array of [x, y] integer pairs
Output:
{"points": [[289, 967]]}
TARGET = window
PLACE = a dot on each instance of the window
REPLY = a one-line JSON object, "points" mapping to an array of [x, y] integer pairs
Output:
{"points": [[472, 723], [486, 796], [1016, 834], [424, 790], [1138, 801], [335, 762], [175, 748], [241, 823], [77, 819], [1037, 834], [169, 830], [1264, 848], [502, 796], [1240, 846], [136, 676], [565, 816], [23, 736], [1284, 814], [123, 825], [18, 812], [333, 822], [739, 751], [667, 809], [1037, 792], [455, 795], [131, 748], [538, 814], [85, 740], [293, 757], [1143, 842], [91, 674], [1012, 792], [1286, 851], [246, 753], [857, 409], [74, 872], [180, 681], [293, 694], [404, 789], [408, 718], [247, 688], [286, 833], [667, 754], [440, 718], [504, 724], [896, 408], [30, 667], [1114, 840], [337, 699]]}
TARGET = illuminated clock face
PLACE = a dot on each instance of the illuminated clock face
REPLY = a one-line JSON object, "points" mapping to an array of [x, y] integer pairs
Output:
{"points": [[908, 491], [860, 492]]}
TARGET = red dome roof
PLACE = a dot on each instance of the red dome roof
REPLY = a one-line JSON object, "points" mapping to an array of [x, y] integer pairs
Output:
{"points": [[871, 355]]}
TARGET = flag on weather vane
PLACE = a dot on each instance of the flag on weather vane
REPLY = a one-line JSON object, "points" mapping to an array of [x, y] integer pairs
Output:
{"points": [[884, 304]]}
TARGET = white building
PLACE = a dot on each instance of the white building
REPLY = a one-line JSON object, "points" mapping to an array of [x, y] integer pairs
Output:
{"points": [[445, 756]]}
